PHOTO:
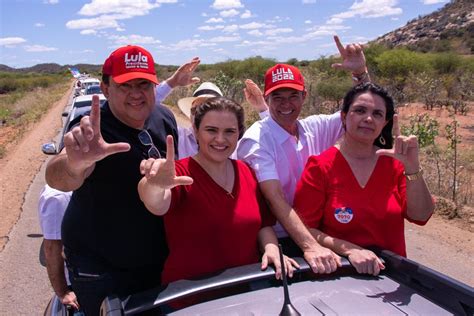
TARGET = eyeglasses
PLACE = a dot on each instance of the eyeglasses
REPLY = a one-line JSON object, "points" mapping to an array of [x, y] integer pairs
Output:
{"points": [[142, 86], [146, 140]]}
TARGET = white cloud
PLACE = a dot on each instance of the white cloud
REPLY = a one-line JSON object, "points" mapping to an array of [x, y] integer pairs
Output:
{"points": [[273, 32], [221, 39], [133, 39], [88, 32], [102, 22], [204, 14], [107, 12], [308, 1], [308, 22], [39, 25], [334, 21], [251, 26], [215, 20], [371, 9], [39, 48], [229, 13], [11, 41], [50, 1], [210, 28], [230, 28], [246, 15], [255, 33], [226, 4], [433, 1], [129, 7], [191, 44]]}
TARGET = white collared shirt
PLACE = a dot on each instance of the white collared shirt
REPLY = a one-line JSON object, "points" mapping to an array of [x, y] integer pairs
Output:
{"points": [[52, 204], [274, 154]]}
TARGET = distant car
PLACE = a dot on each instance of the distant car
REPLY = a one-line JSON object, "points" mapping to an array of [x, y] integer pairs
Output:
{"points": [[86, 100], [93, 89], [88, 82], [80, 105]]}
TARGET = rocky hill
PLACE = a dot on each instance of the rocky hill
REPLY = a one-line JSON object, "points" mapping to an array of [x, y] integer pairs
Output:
{"points": [[449, 28]]}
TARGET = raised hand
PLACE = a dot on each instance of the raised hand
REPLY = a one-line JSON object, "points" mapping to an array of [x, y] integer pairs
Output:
{"points": [[322, 260], [254, 96], [405, 149], [353, 58], [84, 143], [365, 261], [183, 76], [161, 172]]}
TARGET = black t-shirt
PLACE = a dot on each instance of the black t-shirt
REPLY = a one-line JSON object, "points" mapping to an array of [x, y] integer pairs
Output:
{"points": [[105, 218]]}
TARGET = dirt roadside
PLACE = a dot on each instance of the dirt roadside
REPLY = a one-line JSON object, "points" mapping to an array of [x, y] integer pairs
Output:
{"points": [[440, 244]]}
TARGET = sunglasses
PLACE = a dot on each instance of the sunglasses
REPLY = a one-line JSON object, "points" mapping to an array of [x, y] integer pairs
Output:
{"points": [[146, 140]]}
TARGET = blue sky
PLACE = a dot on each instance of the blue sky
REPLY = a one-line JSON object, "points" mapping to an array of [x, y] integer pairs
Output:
{"points": [[86, 31]]}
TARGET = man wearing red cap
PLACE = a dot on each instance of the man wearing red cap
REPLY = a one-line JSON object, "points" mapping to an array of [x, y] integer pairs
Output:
{"points": [[278, 147], [112, 244]]}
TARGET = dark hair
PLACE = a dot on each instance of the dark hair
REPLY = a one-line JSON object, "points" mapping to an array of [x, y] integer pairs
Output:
{"points": [[389, 106], [220, 104], [105, 79]]}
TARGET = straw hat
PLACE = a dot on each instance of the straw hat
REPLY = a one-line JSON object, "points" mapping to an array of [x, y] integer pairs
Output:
{"points": [[206, 89]]}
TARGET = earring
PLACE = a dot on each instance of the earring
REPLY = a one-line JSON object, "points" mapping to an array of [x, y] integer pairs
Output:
{"points": [[382, 140]]}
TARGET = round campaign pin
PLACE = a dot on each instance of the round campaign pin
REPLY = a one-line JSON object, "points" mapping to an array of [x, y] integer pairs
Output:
{"points": [[343, 214]]}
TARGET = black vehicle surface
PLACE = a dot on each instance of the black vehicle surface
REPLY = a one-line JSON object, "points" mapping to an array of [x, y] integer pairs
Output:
{"points": [[403, 288]]}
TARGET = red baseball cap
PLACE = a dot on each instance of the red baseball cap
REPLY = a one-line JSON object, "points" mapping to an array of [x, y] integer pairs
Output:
{"points": [[130, 62], [283, 76]]}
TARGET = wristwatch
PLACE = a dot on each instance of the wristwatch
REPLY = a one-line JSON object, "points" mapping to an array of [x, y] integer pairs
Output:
{"points": [[414, 176], [360, 77]]}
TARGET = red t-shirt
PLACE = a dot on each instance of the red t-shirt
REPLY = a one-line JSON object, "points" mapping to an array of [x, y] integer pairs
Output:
{"points": [[207, 229], [329, 198]]}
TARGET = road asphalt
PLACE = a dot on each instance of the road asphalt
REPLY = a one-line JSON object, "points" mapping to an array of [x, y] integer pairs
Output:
{"points": [[24, 284]]}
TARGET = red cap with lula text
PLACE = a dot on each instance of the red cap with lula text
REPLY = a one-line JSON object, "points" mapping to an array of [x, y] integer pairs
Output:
{"points": [[128, 63], [283, 76]]}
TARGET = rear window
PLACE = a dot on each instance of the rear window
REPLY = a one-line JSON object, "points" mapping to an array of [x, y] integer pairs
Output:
{"points": [[81, 104]]}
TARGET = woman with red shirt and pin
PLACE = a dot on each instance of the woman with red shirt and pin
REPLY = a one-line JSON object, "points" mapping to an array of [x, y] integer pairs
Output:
{"points": [[357, 194], [215, 216]]}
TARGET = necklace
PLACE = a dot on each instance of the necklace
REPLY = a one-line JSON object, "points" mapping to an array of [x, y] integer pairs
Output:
{"points": [[229, 193], [223, 184]]}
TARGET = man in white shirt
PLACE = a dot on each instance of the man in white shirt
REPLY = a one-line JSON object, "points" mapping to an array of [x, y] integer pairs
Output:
{"points": [[51, 207], [278, 147]]}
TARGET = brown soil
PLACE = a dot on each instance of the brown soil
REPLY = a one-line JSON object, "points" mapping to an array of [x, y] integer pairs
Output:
{"points": [[24, 158]]}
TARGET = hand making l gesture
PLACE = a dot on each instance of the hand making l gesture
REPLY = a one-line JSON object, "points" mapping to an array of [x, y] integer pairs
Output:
{"points": [[405, 149], [84, 143], [161, 172], [353, 58]]}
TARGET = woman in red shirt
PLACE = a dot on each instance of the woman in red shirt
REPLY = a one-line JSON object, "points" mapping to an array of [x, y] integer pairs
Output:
{"points": [[357, 194], [215, 216]]}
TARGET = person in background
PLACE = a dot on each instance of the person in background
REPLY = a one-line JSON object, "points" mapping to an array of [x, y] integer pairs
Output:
{"points": [[215, 216], [278, 147], [51, 207], [112, 244], [357, 194]]}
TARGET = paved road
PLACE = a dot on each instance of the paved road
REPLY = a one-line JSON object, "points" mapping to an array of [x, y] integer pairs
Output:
{"points": [[24, 284]]}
